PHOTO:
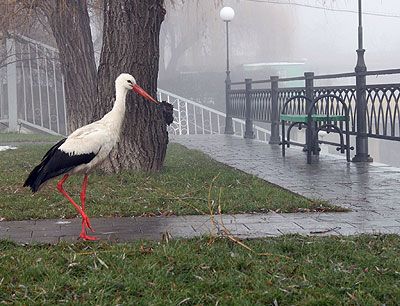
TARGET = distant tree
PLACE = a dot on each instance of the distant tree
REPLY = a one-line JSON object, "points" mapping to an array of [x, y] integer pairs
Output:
{"points": [[184, 29]]}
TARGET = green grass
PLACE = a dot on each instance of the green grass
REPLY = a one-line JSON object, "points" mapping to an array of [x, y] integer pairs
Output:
{"points": [[20, 137], [187, 175], [362, 270]]}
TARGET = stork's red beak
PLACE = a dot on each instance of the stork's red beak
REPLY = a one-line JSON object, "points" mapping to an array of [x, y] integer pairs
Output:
{"points": [[136, 88]]}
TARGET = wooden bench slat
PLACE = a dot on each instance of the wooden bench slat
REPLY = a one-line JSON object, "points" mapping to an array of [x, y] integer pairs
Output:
{"points": [[316, 117]]}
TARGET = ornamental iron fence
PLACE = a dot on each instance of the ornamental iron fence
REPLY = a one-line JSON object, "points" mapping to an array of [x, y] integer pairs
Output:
{"points": [[381, 109]]}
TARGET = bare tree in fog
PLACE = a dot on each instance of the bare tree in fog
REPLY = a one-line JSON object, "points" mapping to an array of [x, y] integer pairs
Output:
{"points": [[185, 28]]}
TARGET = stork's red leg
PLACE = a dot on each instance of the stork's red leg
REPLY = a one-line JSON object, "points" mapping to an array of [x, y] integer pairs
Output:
{"points": [[83, 192], [85, 218], [83, 197]]}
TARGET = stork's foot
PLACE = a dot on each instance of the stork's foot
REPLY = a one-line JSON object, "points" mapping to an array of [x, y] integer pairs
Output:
{"points": [[86, 222], [86, 237]]}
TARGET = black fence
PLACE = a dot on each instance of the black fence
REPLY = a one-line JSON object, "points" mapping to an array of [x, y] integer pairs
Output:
{"points": [[378, 105]]}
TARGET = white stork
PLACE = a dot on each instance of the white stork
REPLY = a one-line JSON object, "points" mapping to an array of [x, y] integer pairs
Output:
{"points": [[86, 148]]}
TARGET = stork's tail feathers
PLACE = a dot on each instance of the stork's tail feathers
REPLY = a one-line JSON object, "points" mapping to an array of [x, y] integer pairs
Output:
{"points": [[39, 175], [35, 178]]}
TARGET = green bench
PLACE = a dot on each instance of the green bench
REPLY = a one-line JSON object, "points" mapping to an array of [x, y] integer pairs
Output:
{"points": [[317, 118], [314, 118]]}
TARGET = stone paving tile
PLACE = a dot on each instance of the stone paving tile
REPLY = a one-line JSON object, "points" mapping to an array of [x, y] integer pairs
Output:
{"points": [[18, 234], [345, 217], [310, 223], [254, 218], [389, 230], [376, 223], [346, 230], [291, 230], [44, 227], [17, 226], [46, 233], [124, 221]]}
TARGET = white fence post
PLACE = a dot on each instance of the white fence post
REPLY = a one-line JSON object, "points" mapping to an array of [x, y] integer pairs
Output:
{"points": [[12, 85]]}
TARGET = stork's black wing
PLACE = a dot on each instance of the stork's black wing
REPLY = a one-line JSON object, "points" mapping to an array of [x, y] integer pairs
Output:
{"points": [[54, 163]]}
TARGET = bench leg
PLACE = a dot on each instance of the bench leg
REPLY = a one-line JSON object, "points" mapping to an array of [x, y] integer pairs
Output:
{"points": [[309, 140], [348, 147], [283, 138]]}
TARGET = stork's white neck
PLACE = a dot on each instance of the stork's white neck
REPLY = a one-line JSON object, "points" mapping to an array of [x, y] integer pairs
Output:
{"points": [[120, 97], [115, 117]]}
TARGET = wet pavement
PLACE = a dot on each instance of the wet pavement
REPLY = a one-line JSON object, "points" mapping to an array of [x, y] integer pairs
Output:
{"points": [[370, 190]]}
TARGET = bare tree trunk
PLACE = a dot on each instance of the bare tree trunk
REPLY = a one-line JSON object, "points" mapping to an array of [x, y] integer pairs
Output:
{"points": [[131, 44], [70, 24]]}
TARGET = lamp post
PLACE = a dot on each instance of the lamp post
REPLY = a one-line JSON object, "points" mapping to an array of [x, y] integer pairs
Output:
{"points": [[227, 13], [361, 106]]}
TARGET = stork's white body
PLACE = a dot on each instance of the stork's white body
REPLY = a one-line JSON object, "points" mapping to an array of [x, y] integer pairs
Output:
{"points": [[98, 137]]}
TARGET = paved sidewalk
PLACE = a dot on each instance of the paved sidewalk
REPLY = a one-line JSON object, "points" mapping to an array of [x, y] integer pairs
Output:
{"points": [[371, 191]]}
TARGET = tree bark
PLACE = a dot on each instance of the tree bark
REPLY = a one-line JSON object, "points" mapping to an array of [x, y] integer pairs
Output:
{"points": [[131, 44], [70, 24]]}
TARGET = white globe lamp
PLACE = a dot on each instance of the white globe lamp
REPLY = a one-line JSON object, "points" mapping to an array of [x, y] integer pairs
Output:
{"points": [[227, 13]]}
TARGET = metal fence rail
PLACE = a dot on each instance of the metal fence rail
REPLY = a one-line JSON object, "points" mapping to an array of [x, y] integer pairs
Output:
{"points": [[32, 96], [32, 91], [237, 100], [383, 118], [348, 94], [382, 102], [194, 118]]}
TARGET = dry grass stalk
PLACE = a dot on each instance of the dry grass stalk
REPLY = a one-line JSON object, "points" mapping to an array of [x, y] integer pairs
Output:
{"points": [[215, 234]]}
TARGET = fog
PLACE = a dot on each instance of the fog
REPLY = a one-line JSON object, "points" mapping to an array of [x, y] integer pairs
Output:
{"points": [[322, 34], [327, 40]]}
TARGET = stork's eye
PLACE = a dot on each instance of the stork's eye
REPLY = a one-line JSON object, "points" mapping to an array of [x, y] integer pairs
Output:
{"points": [[129, 81]]}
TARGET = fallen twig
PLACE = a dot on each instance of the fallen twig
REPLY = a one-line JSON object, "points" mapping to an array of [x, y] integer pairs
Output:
{"points": [[325, 231]]}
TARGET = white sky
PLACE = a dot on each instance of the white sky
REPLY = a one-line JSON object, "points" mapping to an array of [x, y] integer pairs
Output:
{"points": [[326, 36]]}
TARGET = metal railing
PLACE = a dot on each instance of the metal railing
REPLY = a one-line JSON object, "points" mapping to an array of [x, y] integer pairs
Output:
{"points": [[32, 91], [194, 118], [382, 110], [32, 96]]}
